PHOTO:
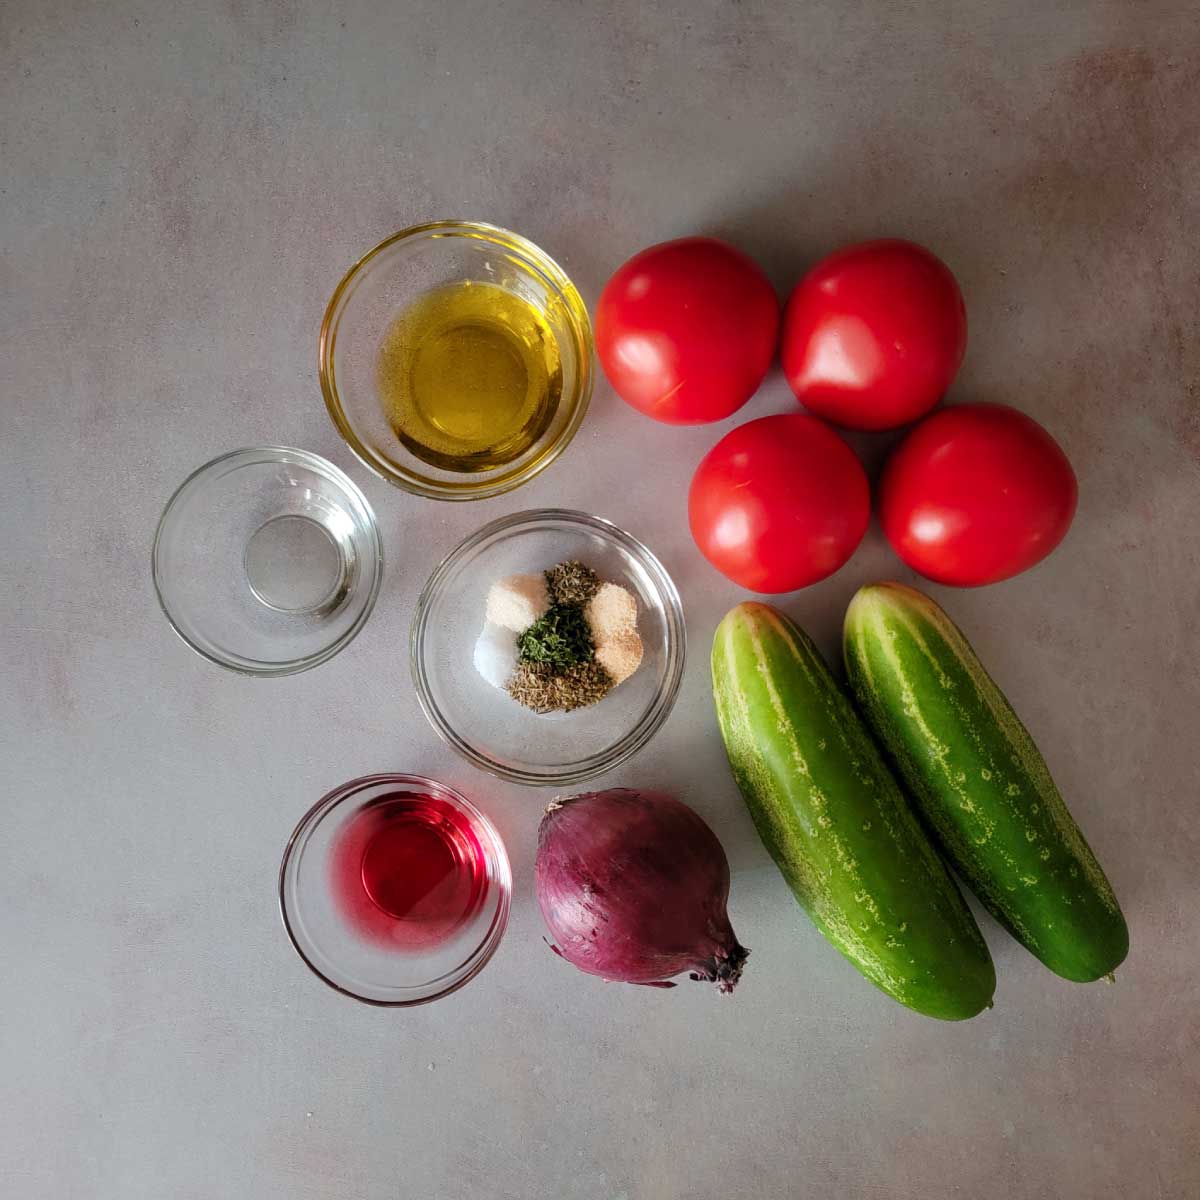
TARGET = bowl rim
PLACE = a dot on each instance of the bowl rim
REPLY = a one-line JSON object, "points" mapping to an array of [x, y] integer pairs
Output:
{"points": [[631, 742], [413, 481], [479, 957], [266, 454]]}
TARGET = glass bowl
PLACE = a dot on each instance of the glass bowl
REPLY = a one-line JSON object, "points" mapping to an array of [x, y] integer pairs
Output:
{"points": [[387, 281], [482, 722], [267, 560], [338, 913]]}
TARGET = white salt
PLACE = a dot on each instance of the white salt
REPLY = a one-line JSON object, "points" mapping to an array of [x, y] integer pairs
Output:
{"points": [[496, 653]]}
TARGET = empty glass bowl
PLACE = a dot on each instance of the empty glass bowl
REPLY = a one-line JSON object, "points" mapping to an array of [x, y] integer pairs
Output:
{"points": [[386, 282], [484, 723], [268, 560], [364, 851]]}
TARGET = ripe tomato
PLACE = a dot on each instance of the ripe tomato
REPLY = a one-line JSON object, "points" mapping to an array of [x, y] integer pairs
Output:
{"points": [[779, 503], [686, 330], [874, 334], [976, 493]]}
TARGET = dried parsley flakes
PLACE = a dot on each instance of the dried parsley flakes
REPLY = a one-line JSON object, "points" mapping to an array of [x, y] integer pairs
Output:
{"points": [[561, 637]]}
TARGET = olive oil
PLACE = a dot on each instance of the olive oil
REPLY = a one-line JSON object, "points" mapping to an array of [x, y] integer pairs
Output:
{"points": [[469, 376]]}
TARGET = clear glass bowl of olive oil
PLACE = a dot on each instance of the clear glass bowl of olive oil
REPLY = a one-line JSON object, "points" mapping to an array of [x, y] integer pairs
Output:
{"points": [[456, 360]]}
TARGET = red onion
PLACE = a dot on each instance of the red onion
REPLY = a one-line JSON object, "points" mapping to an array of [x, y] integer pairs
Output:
{"points": [[633, 886]]}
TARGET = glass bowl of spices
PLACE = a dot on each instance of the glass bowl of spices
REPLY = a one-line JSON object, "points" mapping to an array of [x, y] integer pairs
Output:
{"points": [[548, 647], [267, 560], [456, 360], [395, 889]]}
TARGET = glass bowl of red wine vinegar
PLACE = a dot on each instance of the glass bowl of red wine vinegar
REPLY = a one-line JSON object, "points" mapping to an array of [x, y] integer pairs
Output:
{"points": [[395, 889]]}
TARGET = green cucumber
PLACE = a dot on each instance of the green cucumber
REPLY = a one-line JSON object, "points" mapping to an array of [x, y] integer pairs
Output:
{"points": [[836, 823], [979, 781]]}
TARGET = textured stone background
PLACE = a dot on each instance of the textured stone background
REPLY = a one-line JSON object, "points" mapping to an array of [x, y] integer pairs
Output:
{"points": [[181, 185]]}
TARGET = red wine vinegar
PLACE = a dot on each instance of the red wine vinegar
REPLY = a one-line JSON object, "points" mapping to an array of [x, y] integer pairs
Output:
{"points": [[408, 871]]}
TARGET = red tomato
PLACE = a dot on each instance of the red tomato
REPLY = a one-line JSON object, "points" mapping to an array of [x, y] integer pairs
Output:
{"points": [[686, 330], [874, 334], [975, 494], [779, 503]]}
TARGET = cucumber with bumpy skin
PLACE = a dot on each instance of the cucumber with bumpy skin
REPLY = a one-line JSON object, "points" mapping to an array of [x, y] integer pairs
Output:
{"points": [[979, 781], [836, 823]]}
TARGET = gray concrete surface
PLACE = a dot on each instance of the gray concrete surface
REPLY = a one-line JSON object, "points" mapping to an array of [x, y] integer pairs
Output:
{"points": [[181, 185]]}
